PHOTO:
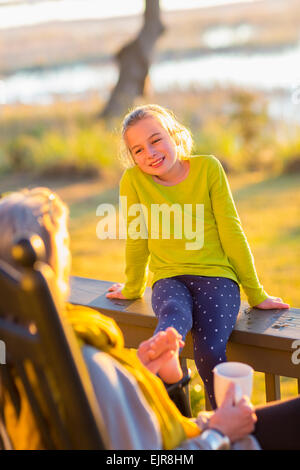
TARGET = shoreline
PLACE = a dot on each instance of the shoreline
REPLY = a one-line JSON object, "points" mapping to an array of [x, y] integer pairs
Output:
{"points": [[165, 56]]}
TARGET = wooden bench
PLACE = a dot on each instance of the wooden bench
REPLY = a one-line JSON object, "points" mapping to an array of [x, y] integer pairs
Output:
{"points": [[262, 338]]}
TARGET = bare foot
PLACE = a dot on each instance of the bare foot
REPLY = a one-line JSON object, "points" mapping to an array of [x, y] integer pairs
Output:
{"points": [[160, 354], [171, 371]]}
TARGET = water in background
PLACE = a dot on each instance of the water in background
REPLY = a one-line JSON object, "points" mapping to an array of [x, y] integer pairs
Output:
{"points": [[267, 71], [259, 71]]}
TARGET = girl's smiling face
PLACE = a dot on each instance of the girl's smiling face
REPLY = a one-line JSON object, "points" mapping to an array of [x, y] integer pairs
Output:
{"points": [[152, 148]]}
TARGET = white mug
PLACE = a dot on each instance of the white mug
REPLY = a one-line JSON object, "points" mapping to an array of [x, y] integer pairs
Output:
{"points": [[238, 373]]}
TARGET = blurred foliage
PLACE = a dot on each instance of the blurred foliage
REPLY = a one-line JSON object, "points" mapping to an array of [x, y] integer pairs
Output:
{"points": [[249, 116], [56, 142], [244, 138], [78, 150], [66, 138]]}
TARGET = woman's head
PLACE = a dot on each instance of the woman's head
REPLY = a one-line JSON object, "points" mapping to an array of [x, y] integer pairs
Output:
{"points": [[179, 135], [42, 212]]}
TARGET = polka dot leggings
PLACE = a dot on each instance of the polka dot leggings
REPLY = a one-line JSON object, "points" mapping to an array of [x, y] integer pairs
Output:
{"points": [[208, 306]]}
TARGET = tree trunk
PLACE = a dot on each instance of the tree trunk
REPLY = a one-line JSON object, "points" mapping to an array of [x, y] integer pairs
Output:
{"points": [[134, 60]]}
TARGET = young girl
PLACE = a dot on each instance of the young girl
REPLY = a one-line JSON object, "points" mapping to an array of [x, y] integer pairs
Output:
{"points": [[195, 284]]}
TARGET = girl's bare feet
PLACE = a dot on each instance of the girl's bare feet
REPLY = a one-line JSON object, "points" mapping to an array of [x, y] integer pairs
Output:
{"points": [[160, 354]]}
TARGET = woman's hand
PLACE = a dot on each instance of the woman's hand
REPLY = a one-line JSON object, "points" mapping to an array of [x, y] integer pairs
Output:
{"points": [[272, 302], [235, 421], [115, 291]]}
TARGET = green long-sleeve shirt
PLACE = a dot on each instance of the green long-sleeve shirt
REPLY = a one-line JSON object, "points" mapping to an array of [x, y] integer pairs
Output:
{"points": [[201, 207]]}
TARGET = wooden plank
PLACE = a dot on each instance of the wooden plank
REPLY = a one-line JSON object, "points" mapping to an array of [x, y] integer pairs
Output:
{"points": [[272, 361], [272, 382], [275, 329]]}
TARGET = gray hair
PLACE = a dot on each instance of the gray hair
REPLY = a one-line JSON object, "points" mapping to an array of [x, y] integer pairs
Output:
{"points": [[30, 211]]}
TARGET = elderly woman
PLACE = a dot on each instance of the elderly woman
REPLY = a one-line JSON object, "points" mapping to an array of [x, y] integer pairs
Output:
{"points": [[140, 415]]}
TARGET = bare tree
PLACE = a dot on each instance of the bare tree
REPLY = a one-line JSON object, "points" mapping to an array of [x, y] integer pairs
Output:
{"points": [[134, 60]]}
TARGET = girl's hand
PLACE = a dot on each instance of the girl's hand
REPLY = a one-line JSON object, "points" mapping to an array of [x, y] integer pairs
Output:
{"points": [[115, 292], [272, 303]]}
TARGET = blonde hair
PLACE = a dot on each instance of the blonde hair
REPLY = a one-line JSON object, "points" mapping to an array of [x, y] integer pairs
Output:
{"points": [[180, 134], [38, 211]]}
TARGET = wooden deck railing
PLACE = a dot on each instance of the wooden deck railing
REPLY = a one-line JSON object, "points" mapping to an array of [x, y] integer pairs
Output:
{"points": [[268, 340]]}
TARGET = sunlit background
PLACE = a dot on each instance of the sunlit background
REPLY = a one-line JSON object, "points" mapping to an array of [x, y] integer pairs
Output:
{"points": [[229, 70]]}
